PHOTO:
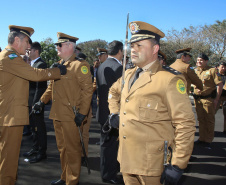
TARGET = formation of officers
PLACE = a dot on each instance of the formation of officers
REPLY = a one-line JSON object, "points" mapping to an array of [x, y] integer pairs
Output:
{"points": [[147, 110]]}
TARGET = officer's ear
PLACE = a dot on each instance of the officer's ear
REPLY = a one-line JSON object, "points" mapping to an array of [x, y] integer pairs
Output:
{"points": [[155, 49]]}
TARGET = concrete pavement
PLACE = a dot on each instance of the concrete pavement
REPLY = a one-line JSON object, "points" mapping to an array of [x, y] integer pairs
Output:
{"points": [[208, 169]]}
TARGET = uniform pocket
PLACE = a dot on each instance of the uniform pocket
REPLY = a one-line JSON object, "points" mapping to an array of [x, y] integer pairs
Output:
{"points": [[21, 108], [155, 157], [148, 109]]}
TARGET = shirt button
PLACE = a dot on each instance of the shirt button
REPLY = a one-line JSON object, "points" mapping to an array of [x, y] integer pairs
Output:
{"points": [[53, 100], [123, 124], [124, 112], [124, 137], [127, 100]]}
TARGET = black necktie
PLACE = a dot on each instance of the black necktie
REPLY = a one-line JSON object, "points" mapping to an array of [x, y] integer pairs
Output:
{"points": [[136, 75]]}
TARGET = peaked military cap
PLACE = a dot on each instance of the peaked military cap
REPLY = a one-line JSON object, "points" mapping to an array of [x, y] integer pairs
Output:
{"points": [[161, 54], [186, 50], [101, 51], [21, 29], [62, 37], [142, 30], [78, 48]]}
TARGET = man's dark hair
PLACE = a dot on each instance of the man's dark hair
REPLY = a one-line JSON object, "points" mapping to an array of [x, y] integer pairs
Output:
{"points": [[13, 34], [181, 54], [222, 62], [0, 49], [203, 56], [154, 41], [36, 46], [114, 47]]}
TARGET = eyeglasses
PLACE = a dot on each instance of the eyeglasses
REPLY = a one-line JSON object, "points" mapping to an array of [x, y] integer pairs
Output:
{"points": [[60, 44]]}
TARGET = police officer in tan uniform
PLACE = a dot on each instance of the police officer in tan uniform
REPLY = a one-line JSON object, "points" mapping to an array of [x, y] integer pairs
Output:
{"points": [[182, 65], [155, 114], [102, 54], [72, 90], [206, 100], [162, 58], [15, 75], [222, 75]]}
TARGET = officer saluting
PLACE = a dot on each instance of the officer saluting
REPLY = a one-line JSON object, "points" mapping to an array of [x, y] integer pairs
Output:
{"points": [[15, 75], [155, 113]]}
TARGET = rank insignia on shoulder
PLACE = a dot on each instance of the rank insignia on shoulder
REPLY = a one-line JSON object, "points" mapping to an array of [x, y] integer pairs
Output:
{"points": [[84, 70], [171, 70], [13, 55]]}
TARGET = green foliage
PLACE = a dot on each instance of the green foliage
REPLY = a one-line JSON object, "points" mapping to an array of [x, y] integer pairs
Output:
{"points": [[49, 53], [89, 48], [208, 39]]}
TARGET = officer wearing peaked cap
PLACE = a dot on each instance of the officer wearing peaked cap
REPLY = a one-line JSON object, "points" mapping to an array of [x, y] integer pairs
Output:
{"points": [[102, 54], [182, 65], [14, 92], [162, 58], [73, 90], [155, 114]]}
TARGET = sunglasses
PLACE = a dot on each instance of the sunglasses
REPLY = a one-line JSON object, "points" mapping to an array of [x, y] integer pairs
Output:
{"points": [[59, 45]]}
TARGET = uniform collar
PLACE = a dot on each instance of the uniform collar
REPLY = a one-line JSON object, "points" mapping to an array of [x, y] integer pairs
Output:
{"points": [[10, 48], [70, 59]]}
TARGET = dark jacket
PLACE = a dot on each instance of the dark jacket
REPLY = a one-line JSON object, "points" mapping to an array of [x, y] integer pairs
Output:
{"points": [[36, 89], [107, 73]]}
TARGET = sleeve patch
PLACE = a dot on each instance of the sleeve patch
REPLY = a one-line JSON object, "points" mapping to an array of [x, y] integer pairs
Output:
{"points": [[12, 56], [84, 70], [181, 87]]}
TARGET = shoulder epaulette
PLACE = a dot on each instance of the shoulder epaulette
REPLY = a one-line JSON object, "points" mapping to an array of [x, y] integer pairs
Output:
{"points": [[171, 70], [79, 59], [8, 49]]}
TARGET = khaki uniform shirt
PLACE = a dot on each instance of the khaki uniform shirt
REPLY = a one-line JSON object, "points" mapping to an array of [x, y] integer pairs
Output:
{"points": [[15, 75], [73, 89], [209, 79], [189, 74], [154, 110]]}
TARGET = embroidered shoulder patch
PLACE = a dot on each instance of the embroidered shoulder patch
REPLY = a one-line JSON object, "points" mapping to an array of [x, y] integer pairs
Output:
{"points": [[181, 87], [12, 56], [84, 70]]}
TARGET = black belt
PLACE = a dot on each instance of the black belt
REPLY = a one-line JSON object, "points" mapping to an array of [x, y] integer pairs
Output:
{"points": [[201, 97]]}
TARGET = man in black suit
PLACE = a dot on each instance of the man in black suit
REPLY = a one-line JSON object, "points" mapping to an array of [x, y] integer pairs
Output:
{"points": [[107, 73], [37, 123]]}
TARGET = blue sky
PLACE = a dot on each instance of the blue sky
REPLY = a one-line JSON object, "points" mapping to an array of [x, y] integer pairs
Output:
{"points": [[104, 19]]}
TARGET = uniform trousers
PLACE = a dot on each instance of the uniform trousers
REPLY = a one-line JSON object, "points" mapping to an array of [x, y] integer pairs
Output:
{"points": [[10, 142], [131, 179], [109, 166], [206, 116], [222, 102], [69, 146], [39, 132], [85, 131]]}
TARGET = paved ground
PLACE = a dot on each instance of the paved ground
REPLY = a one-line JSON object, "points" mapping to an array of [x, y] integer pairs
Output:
{"points": [[208, 169]]}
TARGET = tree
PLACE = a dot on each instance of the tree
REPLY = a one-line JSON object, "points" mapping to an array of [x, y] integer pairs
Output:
{"points": [[215, 37], [89, 48], [49, 53]]}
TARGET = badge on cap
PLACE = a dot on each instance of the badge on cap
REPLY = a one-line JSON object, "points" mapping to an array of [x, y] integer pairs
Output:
{"points": [[181, 87], [84, 70], [134, 28], [12, 56]]}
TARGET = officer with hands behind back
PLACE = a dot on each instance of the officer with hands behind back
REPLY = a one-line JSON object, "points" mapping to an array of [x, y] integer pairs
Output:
{"points": [[155, 114]]}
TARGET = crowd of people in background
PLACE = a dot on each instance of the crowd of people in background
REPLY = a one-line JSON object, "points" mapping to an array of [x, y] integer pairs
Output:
{"points": [[145, 108]]}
